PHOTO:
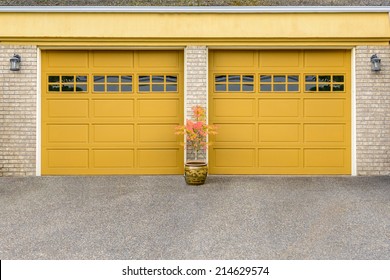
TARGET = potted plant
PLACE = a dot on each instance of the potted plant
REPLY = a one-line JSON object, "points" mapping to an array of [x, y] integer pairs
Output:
{"points": [[196, 134]]}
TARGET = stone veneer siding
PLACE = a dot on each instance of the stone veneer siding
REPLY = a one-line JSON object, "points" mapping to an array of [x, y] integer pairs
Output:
{"points": [[18, 112], [196, 69], [372, 112]]}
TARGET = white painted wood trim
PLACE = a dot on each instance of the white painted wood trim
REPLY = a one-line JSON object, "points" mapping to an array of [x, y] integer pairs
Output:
{"points": [[38, 160], [353, 112], [185, 101], [207, 99]]}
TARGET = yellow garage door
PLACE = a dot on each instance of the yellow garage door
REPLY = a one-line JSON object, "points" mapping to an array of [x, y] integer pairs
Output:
{"points": [[280, 111], [111, 112]]}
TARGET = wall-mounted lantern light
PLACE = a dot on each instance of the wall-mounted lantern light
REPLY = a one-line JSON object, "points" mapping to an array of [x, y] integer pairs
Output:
{"points": [[375, 63], [15, 62]]}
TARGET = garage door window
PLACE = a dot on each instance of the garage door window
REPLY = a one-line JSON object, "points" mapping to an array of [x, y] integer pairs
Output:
{"points": [[234, 83], [113, 83], [157, 83], [279, 83], [67, 83], [324, 83]]}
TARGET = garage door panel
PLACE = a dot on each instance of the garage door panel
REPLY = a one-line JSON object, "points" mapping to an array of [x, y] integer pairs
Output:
{"points": [[234, 108], [324, 157], [279, 108], [159, 108], [113, 133], [109, 59], [320, 59], [64, 59], [279, 132], [279, 158], [231, 157], [227, 133], [234, 59], [67, 133], [67, 158], [325, 133], [157, 59], [108, 158], [71, 108], [277, 59], [120, 108], [324, 108], [151, 133], [159, 158]]}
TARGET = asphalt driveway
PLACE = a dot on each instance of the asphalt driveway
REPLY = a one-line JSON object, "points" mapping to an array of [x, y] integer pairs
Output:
{"points": [[159, 217]]}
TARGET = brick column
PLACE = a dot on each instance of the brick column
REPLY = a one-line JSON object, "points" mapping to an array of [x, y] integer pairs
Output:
{"points": [[195, 81], [372, 112], [18, 112]]}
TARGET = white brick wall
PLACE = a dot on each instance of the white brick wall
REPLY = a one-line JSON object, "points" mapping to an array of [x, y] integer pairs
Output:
{"points": [[18, 112], [196, 81], [372, 112], [196, 77]]}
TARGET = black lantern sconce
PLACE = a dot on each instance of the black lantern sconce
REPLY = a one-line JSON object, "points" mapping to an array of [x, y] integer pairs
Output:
{"points": [[375, 63], [15, 62]]}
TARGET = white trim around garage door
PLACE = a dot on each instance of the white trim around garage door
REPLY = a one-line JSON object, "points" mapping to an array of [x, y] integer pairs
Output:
{"points": [[38, 160], [353, 113], [38, 148], [185, 96], [353, 110]]}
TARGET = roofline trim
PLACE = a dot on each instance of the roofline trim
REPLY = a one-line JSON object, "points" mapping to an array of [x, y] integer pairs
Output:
{"points": [[194, 9]]}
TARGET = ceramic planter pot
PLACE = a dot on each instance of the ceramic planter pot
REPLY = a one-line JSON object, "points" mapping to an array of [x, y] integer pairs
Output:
{"points": [[195, 172]]}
